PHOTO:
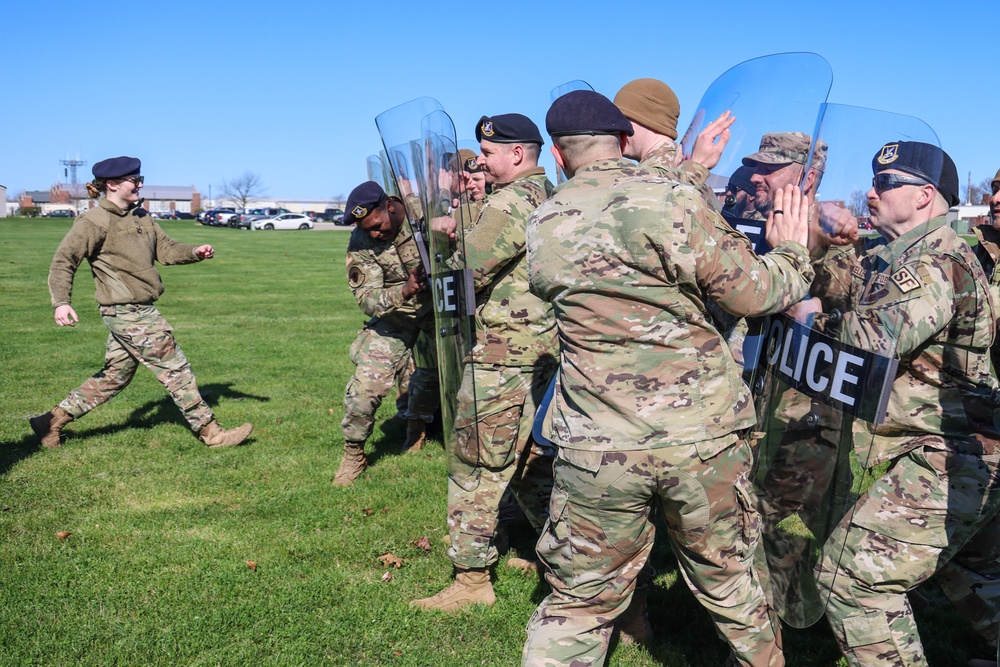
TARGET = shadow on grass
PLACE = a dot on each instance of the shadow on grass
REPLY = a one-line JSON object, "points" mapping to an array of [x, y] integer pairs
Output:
{"points": [[145, 416]]}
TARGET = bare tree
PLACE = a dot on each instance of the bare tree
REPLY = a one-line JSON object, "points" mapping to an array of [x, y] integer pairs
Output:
{"points": [[858, 204], [242, 190], [974, 193]]}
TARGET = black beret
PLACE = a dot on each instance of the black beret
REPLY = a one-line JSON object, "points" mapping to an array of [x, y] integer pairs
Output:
{"points": [[585, 112], [363, 200], [925, 161], [508, 128], [117, 167], [741, 179]]}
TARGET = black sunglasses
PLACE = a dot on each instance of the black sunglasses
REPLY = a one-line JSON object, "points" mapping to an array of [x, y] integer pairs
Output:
{"points": [[134, 180], [883, 182]]}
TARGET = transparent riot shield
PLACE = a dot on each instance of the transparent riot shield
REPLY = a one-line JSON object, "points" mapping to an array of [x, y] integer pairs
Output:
{"points": [[821, 392], [399, 128], [776, 93], [443, 183], [818, 392], [380, 172]]}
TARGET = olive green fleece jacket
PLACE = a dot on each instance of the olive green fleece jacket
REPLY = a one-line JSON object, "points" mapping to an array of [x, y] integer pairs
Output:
{"points": [[121, 246]]}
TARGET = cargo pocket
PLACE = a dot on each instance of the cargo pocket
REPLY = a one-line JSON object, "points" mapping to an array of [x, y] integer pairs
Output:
{"points": [[498, 437], [871, 628], [748, 519]]}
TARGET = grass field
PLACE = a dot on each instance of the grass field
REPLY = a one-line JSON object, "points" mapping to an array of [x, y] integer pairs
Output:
{"points": [[155, 570]]}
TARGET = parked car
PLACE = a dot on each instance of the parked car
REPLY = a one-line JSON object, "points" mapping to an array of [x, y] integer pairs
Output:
{"points": [[218, 216], [334, 215], [284, 221], [243, 221], [60, 213], [180, 215]]}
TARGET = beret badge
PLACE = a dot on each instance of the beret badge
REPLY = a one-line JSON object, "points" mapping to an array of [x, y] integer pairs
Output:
{"points": [[889, 154], [487, 128], [359, 212]]}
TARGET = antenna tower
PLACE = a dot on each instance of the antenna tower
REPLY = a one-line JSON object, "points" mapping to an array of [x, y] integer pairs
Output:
{"points": [[73, 164]]}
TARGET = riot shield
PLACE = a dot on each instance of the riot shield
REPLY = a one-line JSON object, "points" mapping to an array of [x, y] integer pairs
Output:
{"points": [[820, 395], [399, 128], [801, 81], [443, 191], [380, 172]]}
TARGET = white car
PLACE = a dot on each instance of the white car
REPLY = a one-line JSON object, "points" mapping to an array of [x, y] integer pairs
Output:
{"points": [[284, 221]]}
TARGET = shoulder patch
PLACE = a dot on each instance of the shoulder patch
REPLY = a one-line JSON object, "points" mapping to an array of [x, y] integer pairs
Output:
{"points": [[355, 277], [905, 280]]}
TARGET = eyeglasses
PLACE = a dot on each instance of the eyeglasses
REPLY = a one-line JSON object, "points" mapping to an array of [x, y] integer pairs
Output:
{"points": [[883, 182], [135, 180]]}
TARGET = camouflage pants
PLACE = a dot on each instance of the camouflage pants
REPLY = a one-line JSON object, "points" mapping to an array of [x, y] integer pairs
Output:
{"points": [[380, 353], [506, 400], [139, 333], [599, 537], [935, 510]]}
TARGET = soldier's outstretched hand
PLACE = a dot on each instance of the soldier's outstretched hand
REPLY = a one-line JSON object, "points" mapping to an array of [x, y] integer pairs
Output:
{"points": [[66, 316], [789, 220], [204, 252], [712, 141]]}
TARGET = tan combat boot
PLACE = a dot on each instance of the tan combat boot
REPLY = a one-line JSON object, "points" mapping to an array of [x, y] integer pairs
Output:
{"points": [[352, 465], [633, 625], [214, 435], [48, 426], [470, 587], [523, 565], [416, 435]]}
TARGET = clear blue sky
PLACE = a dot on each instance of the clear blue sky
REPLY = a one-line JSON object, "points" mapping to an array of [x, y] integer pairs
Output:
{"points": [[204, 91]]}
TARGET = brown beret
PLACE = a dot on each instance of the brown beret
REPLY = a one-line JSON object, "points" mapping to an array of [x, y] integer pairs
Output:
{"points": [[650, 103]]}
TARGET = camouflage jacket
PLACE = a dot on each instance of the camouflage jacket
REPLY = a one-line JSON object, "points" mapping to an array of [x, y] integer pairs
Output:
{"points": [[988, 252], [663, 160], [377, 272], [121, 247], [513, 326], [924, 299], [629, 261]]}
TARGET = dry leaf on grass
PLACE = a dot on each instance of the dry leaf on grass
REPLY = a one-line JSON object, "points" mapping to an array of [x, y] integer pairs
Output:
{"points": [[368, 511], [422, 543], [388, 559], [252, 564], [63, 534], [387, 577]]}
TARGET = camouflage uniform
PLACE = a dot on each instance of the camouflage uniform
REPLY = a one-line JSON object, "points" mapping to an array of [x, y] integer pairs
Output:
{"points": [[513, 361], [376, 273], [924, 298], [666, 160], [121, 247], [988, 252], [648, 405]]}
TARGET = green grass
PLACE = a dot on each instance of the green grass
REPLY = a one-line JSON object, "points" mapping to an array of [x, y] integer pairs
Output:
{"points": [[155, 570]]}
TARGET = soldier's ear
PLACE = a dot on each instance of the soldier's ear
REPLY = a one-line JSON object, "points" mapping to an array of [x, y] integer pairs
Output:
{"points": [[557, 154]]}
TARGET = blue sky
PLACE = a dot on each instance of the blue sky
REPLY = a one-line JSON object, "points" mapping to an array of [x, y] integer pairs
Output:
{"points": [[204, 91]]}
